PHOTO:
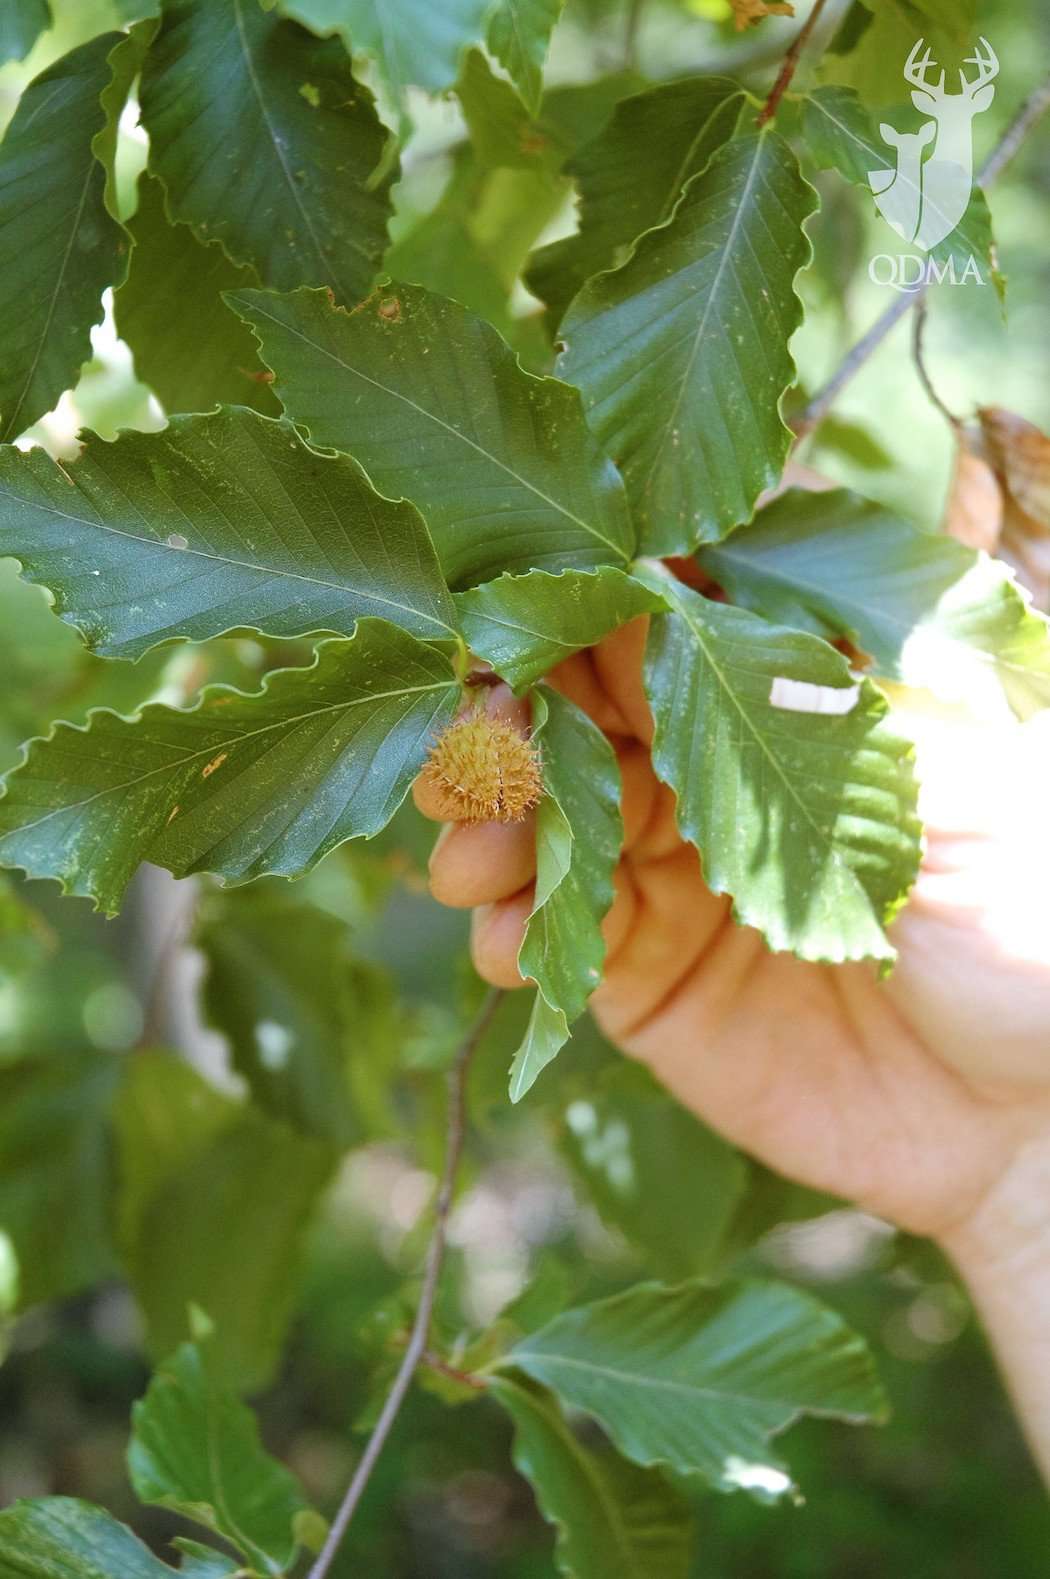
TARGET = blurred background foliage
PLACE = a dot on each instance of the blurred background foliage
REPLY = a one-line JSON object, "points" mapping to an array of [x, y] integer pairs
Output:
{"points": [[337, 1001]]}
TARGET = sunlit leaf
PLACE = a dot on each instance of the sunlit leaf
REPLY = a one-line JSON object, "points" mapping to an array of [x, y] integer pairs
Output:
{"points": [[799, 798], [701, 1378], [415, 43], [519, 36], [925, 609]]}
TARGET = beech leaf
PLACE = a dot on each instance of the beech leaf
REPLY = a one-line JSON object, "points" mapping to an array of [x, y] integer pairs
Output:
{"points": [[579, 832], [798, 796], [220, 522], [240, 785], [682, 353], [435, 406], [700, 1378], [295, 183]]}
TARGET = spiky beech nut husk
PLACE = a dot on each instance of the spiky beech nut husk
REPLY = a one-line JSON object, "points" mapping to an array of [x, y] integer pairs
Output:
{"points": [[482, 770]]}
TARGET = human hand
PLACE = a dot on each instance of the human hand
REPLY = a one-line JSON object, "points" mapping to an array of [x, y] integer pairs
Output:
{"points": [[912, 1097]]}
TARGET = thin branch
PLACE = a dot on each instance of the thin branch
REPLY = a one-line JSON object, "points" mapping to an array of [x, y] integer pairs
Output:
{"points": [[1030, 112], [417, 1342], [790, 62], [630, 34], [918, 354]]}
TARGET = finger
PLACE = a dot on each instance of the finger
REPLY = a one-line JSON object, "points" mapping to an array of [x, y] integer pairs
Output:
{"points": [[618, 666], [650, 828], [576, 679], [475, 864], [496, 936]]}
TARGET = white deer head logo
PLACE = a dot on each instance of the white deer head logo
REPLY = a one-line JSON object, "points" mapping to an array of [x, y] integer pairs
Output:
{"points": [[925, 201]]}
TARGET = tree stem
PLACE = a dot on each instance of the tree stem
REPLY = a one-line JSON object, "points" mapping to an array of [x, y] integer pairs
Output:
{"points": [[790, 62], [417, 1342], [1035, 106]]}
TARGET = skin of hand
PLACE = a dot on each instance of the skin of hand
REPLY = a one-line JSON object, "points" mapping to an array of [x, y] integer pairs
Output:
{"points": [[924, 1097]]}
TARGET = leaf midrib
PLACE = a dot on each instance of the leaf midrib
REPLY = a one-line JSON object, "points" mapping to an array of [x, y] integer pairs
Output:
{"points": [[712, 295], [178, 763], [223, 559]]}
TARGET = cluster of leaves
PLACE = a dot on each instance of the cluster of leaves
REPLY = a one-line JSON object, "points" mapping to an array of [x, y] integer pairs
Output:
{"points": [[384, 472]]}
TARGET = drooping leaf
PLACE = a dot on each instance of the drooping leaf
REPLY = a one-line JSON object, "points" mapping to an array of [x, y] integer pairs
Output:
{"points": [[219, 522], [59, 246], [189, 347], [415, 43], [524, 625], [56, 1171], [700, 1378], [631, 176], [435, 407], [519, 37], [265, 143], [195, 1449], [21, 24], [841, 134], [242, 785], [798, 796], [925, 609], [64, 1538], [503, 132], [280, 986], [682, 353], [610, 1516], [579, 832], [213, 1216], [664, 1180], [200, 1562]]}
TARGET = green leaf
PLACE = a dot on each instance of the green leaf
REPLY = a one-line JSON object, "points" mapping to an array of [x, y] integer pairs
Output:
{"points": [[611, 1517], [700, 1378], [266, 144], [241, 785], [631, 175], [415, 43], [56, 1172], [524, 625], [664, 1180], [220, 522], [579, 832], [201, 1562], [801, 803], [216, 1200], [21, 24], [841, 134], [59, 246], [925, 609], [189, 347], [63, 1538], [281, 987], [682, 353], [195, 1449], [519, 37], [435, 406]]}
